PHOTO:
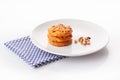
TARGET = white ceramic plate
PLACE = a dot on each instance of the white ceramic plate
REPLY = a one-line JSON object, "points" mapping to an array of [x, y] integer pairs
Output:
{"points": [[99, 37]]}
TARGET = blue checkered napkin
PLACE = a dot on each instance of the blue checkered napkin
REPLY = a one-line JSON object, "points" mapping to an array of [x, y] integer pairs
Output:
{"points": [[34, 56]]}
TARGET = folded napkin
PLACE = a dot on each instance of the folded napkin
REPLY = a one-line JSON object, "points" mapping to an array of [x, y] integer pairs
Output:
{"points": [[31, 54]]}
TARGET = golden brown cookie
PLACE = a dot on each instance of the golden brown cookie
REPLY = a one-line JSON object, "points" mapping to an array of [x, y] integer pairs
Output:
{"points": [[60, 43], [59, 39], [60, 30]]}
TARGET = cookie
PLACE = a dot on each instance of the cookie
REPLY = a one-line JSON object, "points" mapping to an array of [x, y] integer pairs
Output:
{"points": [[60, 30], [60, 44], [62, 37], [59, 39]]}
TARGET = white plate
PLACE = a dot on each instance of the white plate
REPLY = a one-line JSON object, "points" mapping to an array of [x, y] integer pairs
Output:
{"points": [[99, 37]]}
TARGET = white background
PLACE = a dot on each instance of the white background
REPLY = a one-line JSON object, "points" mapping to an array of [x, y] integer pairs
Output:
{"points": [[19, 17]]}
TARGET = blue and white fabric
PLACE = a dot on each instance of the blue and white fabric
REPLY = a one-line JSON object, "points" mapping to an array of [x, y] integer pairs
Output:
{"points": [[27, 51]]}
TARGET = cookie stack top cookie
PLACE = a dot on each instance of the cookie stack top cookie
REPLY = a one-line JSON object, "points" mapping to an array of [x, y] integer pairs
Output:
{"points": [[60, 30]]}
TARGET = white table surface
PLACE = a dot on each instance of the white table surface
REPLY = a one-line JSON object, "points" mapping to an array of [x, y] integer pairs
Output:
{"points": [[19, 17]]}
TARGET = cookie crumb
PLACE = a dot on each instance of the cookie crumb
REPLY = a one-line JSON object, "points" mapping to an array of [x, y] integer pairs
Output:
{"points": [[75, 41], [87, 40], [81, 40], [84, 40]]}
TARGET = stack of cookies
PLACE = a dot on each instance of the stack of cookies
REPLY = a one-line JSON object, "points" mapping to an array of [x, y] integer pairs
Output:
{"points": [[60, 35]]}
